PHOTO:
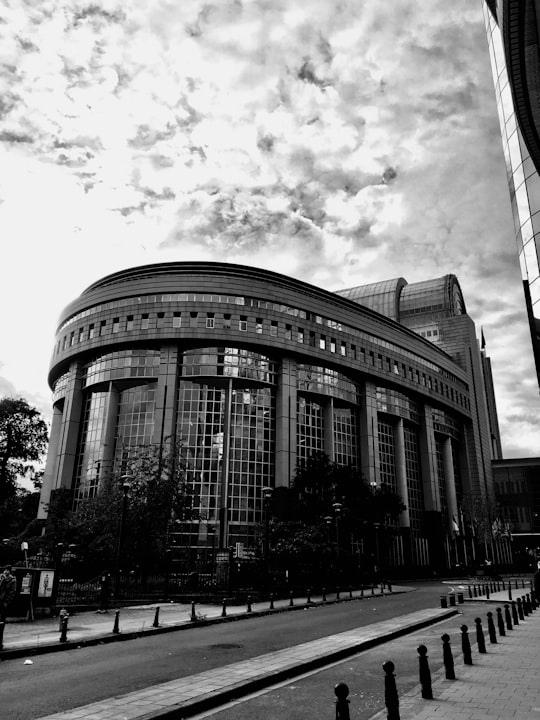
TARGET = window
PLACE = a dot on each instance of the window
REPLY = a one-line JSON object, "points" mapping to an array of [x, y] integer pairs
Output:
{"points": [[210, 320], [242, 325], [273, 328], [91, 331], [322, 342], [396, 368], [288, 332], [312, 338], [81, 334], [102, 326], [332, 345], [227, 321], [177, 320], [343, 349], [259, 325], [160, 319], [145, 322], [193, 316], [300, 335], [129, 323], [72, 338]]}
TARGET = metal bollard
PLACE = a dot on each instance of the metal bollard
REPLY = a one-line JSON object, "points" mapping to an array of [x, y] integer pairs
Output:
{"points": [[372, 589], [525, 605], [338, 598], [452, 599], [341, 691], [193, 613], [425, 674], [503, 586], [116, 626], [509, 591], [487, 592], [520, 609], [224, 608], [156, 618], [389, 587], [391, 699], [448, 658], [474, 591], [508, 617], [522, 583], [460, 598], [466, 645], [444, 601], [61, 615], [516, 584], [308, 598], [500, 622], [480, 639], [350, 592], [491, 629], [272, 600], [2, 627], [382, 588], [470, 593], [324, 594], [528, 602], [291, 599], [63, 634], [362, 591], [248, 609], [515, 618]]}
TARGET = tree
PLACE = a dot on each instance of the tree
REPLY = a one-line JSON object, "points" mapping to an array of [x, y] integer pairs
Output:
{"points": [[23, 441]]}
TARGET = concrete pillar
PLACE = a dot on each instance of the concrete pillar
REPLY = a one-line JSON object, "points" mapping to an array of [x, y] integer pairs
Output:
{"points": [[450, 483], [166, 398], [329, 428], [69, 431], [51, 465], [428, 461], [401, 471], [286, 414], [224, 480], [369, 455]]}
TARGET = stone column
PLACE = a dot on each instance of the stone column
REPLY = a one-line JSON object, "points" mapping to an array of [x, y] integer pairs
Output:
{"points": [[369, 455], [286, 396], [69, 431], [329, 428], [51, 465], [402, 490]]}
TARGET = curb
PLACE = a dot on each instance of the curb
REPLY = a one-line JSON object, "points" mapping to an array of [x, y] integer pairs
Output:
{"points": [[26, 651], [240, 689]]}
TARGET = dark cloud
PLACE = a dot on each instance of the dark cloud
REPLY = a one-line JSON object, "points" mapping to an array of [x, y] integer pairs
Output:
{"points": [[389, 174], [14, 136], [94, 13]]}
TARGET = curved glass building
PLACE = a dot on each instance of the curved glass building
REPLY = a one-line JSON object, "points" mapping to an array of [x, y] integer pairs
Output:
{"points": [[250, 372]]}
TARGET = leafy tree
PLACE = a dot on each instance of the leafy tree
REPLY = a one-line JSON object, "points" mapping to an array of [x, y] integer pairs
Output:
{"points": [[23, 441]]}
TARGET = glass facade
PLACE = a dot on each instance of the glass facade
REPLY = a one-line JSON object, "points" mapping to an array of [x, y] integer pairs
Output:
{"points": [[523, 178], [124, 364], [415, 499], [90, 452], [309, 429], [135, 425], [325, 381], [346, 451], [387, 455]]}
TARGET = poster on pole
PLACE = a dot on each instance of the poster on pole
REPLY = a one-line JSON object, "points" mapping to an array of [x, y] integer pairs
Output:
{"points": [[46, 579]]}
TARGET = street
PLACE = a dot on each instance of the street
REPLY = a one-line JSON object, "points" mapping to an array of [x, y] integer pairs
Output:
{"points": [[64, 680]]}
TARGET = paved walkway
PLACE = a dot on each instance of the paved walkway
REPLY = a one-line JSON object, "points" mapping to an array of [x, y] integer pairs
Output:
{"points": [[502, 684]]}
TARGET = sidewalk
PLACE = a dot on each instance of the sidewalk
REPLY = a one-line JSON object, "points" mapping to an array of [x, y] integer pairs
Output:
{"points": [[501, 684], [42, 635]]}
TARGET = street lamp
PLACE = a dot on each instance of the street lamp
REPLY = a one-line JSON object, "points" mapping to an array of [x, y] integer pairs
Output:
{"points": [[126, 484], [337, 508]]}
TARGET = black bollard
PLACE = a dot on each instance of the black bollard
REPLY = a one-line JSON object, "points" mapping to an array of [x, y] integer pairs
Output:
{"points": [[460, 598], [362, 591], [491, 629], [350, 592], [534, 602], [389, 587], [391, 699], [341, 691], [520, 609], [224, 608], [193, 613], [2, 627], [291, 599], [63, 634], [116, 626], [338, 598], [500, 622], [272, 600], [372, 589], [156, 618], [324, 594], [448, 658], [452, 599], [509, 591], [522, 583], [248, 609], [528, 603], [516, 584], [480, 639], [308, 596], [425, 674], [382, 588], [508, 617], [470, 592], [444, 601], [466, 645], [525, 605], [487, 592], [503, 586], [474, 591], [515, 618]]}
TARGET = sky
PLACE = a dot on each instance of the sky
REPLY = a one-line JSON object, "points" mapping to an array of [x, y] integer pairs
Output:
{"points": [[336, 141]]}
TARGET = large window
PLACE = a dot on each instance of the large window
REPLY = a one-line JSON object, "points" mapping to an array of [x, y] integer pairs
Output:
{"points": [[122, 364], [387, 455], [89, 454], [415, 499], [135, 424], [309, 429], [229, 362], [323, 380], [346, 436]]}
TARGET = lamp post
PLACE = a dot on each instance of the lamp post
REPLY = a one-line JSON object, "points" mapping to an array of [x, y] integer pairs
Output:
{"points": [[337, 508], [126, 484]]}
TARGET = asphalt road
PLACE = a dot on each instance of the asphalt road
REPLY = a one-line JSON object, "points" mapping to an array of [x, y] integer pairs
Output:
{"points": [[59, 681]]}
